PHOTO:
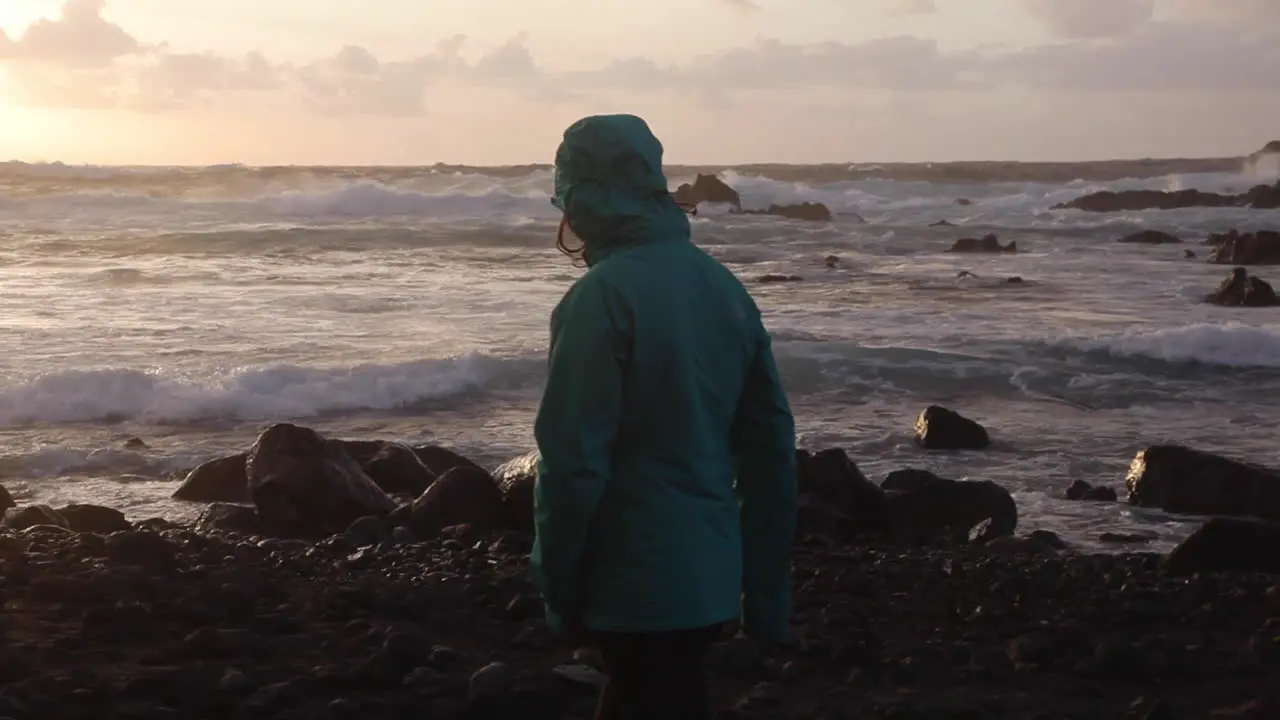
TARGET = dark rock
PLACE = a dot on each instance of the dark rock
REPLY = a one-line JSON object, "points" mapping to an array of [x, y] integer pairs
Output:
{"points": [[938, 428], [836, 496], [1181, 480], [138, 547], [909, 479], [490, 681], [395, 468], [220, 480], [306, 485], [94, 519], [1261, 197], [831, 261], [135, 443], [21, 518], [6, 500], [1189, 254], [1271, 149], [228, 517], [1243, 290], [516, 479], [1237, 248], [809, 211], [941, 223], [778, 278], [963, 201], [1081, 490], [1228, 545], [988, 243], [952, 510], [1124, 538], [1150, 237], [462, 496], [440, 460], [368, 530], [709, 189]]}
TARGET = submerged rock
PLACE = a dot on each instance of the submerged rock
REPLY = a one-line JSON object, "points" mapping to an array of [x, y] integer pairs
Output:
{"points": [[1150, 237], [1081, 490], [988, 243], [1243, 290]]}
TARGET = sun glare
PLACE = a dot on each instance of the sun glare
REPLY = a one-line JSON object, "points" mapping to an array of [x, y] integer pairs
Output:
{"points": [[16, 15]]}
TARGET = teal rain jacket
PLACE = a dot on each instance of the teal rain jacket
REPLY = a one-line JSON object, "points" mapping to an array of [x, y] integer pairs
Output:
{"points": [[666, 492]]}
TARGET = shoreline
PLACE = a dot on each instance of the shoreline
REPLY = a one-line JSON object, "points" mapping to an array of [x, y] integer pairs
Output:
{"points": [[161, 621]]}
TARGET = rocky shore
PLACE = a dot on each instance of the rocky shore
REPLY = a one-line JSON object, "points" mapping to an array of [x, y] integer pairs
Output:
{"points": [[342, 584]]}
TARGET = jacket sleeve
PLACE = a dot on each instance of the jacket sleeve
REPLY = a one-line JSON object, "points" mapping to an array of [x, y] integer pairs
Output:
{"points": [[575, 429], [764, 443]]}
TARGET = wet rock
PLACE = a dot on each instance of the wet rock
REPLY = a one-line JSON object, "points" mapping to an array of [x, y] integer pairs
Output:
{"points": [[963, 201], [394, 467], [957, 511], [368, 530], [229, 518], [21, 518], [1181, 480], [1189, 254], [1229, 545], [1111, 538], [516, 479], [94, 519], [1260, 197], [1150, 237], [440, 460], [831, 261], [938, 428], [707, 189], [909, 479], [778, 278], [306, 485], [6, 500], [462, 496], [1237, 248], [491, 681], [809, 211], [941, 223], [1243, 290], [1081, 490], [221, 480], [836, 497], [135, 443], [988, 243]]}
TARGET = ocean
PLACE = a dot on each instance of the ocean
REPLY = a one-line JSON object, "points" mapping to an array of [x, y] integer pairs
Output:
{"points": [[190, 307]]}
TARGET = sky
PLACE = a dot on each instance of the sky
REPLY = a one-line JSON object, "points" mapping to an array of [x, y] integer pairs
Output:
{"points": [[406, 82]]}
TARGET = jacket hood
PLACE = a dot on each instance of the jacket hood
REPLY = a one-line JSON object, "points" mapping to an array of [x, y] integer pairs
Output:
{"points": [[610, 185]]}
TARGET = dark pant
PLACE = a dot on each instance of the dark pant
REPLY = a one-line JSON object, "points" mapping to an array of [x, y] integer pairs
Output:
{"points": [[656, 676]]}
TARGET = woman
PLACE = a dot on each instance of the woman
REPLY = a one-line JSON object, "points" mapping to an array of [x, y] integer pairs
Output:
{"points": [[666, 495]]}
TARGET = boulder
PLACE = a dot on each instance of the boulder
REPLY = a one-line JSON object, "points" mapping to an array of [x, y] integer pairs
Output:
{"points": [[1228, 545], [228, 517], [810, 211], [440, 460], [1081, 490], [1237, 248], [395, 468], [957, 511], [462, 496], [908, 480], [778, 278], [1243, 290], [1150, 237], [21, 518], [708, 189], [963, 201], [94, 519], [1178, 479], [1189, 254], [306, 485], [516, 480], [988, 243], [938, 428], [942, 223], [6, 500], [838, 495], [219, 480]]}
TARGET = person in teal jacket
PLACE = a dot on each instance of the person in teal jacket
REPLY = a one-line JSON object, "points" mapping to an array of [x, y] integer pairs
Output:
{"points": [[665, 502]]}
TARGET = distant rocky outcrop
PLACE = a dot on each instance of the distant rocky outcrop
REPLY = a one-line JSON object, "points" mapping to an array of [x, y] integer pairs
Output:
{"points": [[1150, 237], [707, 189], [1271, 149], [988, 243], [1260, 197], [711, 189], [1182, 480], [1237, 248], [778, 278], [1243, 290]]}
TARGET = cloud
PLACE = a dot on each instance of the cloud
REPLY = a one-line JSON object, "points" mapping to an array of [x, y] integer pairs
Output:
{"points": [[902, 8], [82, 60], [1091, 18], [1246, 14], [741, 5]]}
